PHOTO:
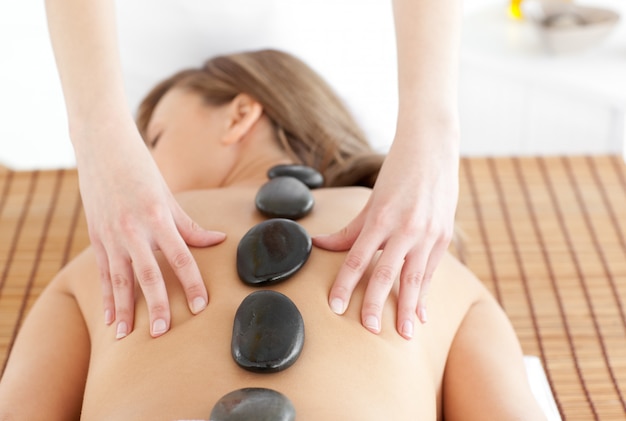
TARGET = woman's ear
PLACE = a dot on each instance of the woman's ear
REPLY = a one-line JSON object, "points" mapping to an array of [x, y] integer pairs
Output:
{"points": [[243, 112]]}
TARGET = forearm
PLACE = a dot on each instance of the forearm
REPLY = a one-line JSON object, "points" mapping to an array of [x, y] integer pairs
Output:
{"points": [[428, 37], [84, 40]]}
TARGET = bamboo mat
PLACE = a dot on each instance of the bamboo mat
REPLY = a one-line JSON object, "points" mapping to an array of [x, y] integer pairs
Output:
{"points": [[546, 235]]}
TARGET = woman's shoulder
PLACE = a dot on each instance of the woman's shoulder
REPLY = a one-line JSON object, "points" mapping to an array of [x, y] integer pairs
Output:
{"points": [[242, 198], [233, 209], [235, 193], [348, 198], [353, 191], [219, 208], [80, 275]]}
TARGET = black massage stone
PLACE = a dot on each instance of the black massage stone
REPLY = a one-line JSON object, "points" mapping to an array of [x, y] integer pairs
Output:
{"points": [[253, 403], [284, 197], [309, 176], [272, 251], [268, 332]]}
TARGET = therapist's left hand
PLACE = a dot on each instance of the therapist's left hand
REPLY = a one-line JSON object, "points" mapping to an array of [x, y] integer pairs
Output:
{"points": [[410, 217]]}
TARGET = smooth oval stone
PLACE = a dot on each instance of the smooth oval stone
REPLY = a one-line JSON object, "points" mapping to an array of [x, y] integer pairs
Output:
{"points": [[284, 197], [253, 403], [272, 251], [268, 332], [309, 176]]}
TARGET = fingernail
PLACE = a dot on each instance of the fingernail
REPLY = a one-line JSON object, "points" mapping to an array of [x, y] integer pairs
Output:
{"points": [[122, 330], [336, 305], [407, 329], [108, 316], [159, 327], [422, 315], [371, 322], [198, 304]]}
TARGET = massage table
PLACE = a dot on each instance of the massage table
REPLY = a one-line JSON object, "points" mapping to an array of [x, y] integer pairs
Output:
{"points": [[546, 235]]}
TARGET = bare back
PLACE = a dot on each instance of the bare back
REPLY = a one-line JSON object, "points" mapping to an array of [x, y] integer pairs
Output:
{"points": [[344, 372]]}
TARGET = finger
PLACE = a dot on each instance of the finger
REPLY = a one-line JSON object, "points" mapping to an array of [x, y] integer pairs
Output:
{"points": [[351, 271], [435, 257], [150, 280], [108, 302], [411, 279], [380, 283], [186, 269], [123, 287], [192, 233], [344, 238]]}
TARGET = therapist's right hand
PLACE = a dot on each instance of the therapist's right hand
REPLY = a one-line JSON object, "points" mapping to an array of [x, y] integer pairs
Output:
{"points": [[131, 214]]}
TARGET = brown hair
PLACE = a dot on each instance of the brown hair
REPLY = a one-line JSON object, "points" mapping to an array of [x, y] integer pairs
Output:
{"points": [[312, 124]]}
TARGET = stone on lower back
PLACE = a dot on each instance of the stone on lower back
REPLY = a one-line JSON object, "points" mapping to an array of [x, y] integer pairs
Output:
{"points": [[253, 403]]}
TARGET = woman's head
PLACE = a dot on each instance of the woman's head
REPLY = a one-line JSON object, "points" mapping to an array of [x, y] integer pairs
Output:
{"points": [[309, 121]]}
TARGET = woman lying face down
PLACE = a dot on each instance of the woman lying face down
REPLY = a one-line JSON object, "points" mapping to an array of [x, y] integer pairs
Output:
{"points": [[214, 132]]}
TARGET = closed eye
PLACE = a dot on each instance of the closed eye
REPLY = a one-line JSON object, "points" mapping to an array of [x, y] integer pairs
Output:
{"points": [[154, 141]]}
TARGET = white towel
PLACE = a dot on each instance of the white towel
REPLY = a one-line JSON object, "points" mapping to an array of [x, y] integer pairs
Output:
{"points": [[541, 388]]}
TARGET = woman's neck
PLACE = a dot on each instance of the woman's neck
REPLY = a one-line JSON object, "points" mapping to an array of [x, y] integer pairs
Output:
{"points": [[258, 153], [253, 172]]}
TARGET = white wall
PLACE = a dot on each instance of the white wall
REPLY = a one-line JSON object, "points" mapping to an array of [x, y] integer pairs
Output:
{"points": [[33, 129], [514, 99], [354, 51], [517, 98]]}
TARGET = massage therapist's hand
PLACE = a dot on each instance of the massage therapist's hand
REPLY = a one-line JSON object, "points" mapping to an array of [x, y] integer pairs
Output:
{"points": [[410, 216], [131, 214]]}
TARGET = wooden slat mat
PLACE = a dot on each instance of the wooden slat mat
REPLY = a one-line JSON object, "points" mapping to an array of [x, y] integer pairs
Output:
{"points": [[41, 228], [546, 235]]}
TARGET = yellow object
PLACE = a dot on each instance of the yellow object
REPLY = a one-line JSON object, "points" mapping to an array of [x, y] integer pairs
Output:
{"points": [[515, 9]]}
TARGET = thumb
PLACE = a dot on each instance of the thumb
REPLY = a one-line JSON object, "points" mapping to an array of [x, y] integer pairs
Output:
{"points": [[343, 239], [193, 234]]}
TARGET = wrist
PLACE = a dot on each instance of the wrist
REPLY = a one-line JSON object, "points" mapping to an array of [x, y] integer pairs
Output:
{"points": [[428, 133], [98, 138]]}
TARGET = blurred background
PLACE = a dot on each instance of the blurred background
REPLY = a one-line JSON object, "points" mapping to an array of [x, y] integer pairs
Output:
{"points": [[519, 94]]}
